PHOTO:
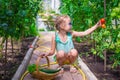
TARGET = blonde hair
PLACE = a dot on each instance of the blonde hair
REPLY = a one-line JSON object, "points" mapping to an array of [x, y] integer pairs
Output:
{"points": [[59, 20]]}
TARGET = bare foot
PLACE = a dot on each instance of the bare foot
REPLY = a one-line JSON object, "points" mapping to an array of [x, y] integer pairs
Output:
{"points": [[73, 69], [62, 69]]}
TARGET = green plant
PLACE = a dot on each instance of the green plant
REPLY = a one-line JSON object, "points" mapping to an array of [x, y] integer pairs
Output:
{"points": [[31, 68], [41, 29], [17, 18], [85, 13], [17, 21], [116, 58], [78, 39]]}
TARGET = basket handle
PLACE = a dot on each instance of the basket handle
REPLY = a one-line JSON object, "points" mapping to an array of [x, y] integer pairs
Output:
{"points": [[38, 60]]}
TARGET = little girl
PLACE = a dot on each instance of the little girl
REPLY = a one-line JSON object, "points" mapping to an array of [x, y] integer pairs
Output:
{"points": [[62, 41]]}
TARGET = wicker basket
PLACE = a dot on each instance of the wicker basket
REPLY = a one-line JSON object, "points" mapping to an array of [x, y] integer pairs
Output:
{"points": [[42, 75]]}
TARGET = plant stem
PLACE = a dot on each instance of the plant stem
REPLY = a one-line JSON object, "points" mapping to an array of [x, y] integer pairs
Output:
{"points": [[12, 44], [5, 56], [105, 60], [104, 52]]}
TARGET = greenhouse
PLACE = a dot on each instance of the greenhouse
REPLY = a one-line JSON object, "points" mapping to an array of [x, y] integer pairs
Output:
{"points": [[59, 40]]}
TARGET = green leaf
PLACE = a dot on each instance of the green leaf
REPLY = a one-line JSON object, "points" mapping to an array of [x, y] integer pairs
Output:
{"points": [[9, 12], [93, 51], [31, 68], [78, 39]]}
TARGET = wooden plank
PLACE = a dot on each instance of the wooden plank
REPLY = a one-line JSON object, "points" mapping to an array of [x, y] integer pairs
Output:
{"points": [[24, 63], [86, 70], [76, 76], [29, 77], [67, 76], [59, 77]]}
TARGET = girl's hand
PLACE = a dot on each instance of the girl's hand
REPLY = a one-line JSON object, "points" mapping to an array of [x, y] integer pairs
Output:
{"points": [[44, 54], [98, 24]]}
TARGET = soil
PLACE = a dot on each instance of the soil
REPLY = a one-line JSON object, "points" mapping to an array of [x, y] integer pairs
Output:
{"points": [[13, 59], [97, 66]]}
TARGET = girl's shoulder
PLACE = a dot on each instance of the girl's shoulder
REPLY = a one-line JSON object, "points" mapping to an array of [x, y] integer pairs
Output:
{"points": [[56, 36], [70, 33], [53, 36]]}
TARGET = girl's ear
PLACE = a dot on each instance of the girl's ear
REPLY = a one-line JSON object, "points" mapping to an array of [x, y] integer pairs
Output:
{"points": [[62, 25]]}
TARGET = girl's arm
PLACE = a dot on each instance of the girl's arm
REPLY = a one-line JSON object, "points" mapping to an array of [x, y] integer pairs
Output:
{"points": [[90, 30], [53, 45]]}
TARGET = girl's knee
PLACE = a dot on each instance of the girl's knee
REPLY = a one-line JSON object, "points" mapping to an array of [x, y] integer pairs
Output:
{"points": [[74, 53], [60, 54]]}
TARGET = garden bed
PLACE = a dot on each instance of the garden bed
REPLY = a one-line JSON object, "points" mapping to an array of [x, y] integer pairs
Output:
{"points": [[97, 66], [13, 58]]}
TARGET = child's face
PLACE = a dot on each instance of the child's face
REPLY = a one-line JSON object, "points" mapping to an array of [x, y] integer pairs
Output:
{"points": [[67, 26]]}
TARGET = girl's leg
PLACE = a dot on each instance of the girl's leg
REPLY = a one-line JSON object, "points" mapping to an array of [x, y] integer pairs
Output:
{"points": [[60, 56], [72, 55]]}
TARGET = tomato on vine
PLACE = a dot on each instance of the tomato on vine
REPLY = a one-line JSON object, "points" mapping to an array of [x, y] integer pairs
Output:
{"points": [[102, 21], [103, 26]]}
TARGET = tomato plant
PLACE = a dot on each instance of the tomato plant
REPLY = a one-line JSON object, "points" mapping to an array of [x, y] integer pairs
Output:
{"points": [[17, 20], [85, 13]]}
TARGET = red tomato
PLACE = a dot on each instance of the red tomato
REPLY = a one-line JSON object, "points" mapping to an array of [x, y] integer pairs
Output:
{"points": [[102, 21]]}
